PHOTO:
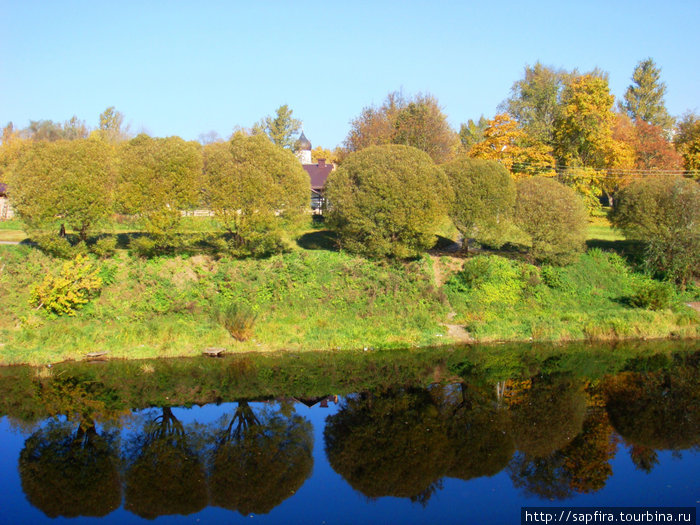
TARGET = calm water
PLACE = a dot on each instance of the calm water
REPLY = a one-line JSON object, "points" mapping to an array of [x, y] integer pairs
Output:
{"points": [[467, 452]]}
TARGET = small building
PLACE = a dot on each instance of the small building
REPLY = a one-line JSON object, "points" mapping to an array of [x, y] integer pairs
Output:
{"points": [[318, 172], [5, 209]]}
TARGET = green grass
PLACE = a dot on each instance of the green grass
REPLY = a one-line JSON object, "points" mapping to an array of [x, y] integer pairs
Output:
{"points": [[501, 299]]}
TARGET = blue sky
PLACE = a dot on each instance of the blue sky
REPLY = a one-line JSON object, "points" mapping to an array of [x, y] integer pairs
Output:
{"points": [[185, 68]]}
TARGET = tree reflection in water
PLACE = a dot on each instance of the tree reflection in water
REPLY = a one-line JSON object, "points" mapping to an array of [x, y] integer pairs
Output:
{"points": [[260, 460], [656, 410], [395, 444], [165, 476], [70, 470]]}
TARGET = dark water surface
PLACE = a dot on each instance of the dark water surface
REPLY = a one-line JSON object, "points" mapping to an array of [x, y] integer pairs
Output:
{"points": [[445, 438]]}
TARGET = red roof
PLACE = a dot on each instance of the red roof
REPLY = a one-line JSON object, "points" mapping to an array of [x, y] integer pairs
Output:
{"points": [[318, 173]]}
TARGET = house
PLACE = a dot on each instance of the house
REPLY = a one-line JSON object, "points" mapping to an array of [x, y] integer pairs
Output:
{"points": [[318, 172], [5, 210]]}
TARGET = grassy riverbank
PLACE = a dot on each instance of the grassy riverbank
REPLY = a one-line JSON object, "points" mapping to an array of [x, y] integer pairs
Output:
{"points": [[313, 298]]}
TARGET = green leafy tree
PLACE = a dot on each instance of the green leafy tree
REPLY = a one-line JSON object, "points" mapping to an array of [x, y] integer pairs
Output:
{"points": [[472, 132], [260, 460], [281, 128], [484, 198], [535, 102], [252, 184], [157, 179], [111, 126], [664, 213], [69, 181], [644, 99], [554, 217], [386, 201]]}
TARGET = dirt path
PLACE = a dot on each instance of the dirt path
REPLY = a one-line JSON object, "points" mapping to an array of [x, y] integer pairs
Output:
{"points": [[443, 268], [694, 306]]}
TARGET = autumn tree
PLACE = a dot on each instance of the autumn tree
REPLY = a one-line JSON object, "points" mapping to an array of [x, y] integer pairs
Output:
{"points": [[664, 213], [331, 157], [652, 151], [281, 128], [505, 142], [687, 142], [554, 217], [252, 184], [484, 197], [386, 201], [157, 179], [644, 98], [68, 181], [418, 122]]}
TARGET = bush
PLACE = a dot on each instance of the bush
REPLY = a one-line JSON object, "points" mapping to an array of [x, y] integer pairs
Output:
{"points": [[238, 319], [54, 245], [484, 197], [104, 248], [554, 217], [652, 295], [664, 213], [70, 290], [491, 280], [386, 201]]}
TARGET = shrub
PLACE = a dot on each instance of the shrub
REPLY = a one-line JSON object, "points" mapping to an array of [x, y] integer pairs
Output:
{"points": [[484, 197], [491, 280], [53, 245], [664, 213], [554, 217], [104, 248], [70, 290], [652, 295], [386, 201], [238, 319]]}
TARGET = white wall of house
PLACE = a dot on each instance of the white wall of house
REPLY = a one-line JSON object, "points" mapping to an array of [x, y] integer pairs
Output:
{"points": [[6, 211]]}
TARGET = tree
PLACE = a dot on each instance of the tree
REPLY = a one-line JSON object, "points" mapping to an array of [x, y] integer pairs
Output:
{"points": [[484, 197], [648, 143], [687, 142], [644, 99], [505, 142], [472, 132], [329, 156], [69, 181], [554, 217], [110, 126], [282, 128], [664, 213], [535, 102], [250, 185], [386, 201], [417, 122], [159, 177]]}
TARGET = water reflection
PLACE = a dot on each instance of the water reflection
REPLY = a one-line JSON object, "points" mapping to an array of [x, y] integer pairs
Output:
{"points": [[259, 460], [550, 436], [70, 470]]}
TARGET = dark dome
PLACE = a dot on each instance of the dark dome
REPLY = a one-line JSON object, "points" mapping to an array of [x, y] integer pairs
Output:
{"points": [[303, 143]]}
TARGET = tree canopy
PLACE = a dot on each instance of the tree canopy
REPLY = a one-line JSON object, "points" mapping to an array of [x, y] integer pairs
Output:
{"points": [[281, 128], [644, 98], [386, 201]]}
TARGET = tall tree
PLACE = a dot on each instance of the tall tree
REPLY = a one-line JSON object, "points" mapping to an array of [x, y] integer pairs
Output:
{"points": [[644, 98], [687, 142], [111, 126], [282, 128], [472, 132], [535, 101]]}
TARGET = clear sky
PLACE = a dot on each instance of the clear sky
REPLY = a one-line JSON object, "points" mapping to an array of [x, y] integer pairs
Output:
{"points": [[188, 67]]}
